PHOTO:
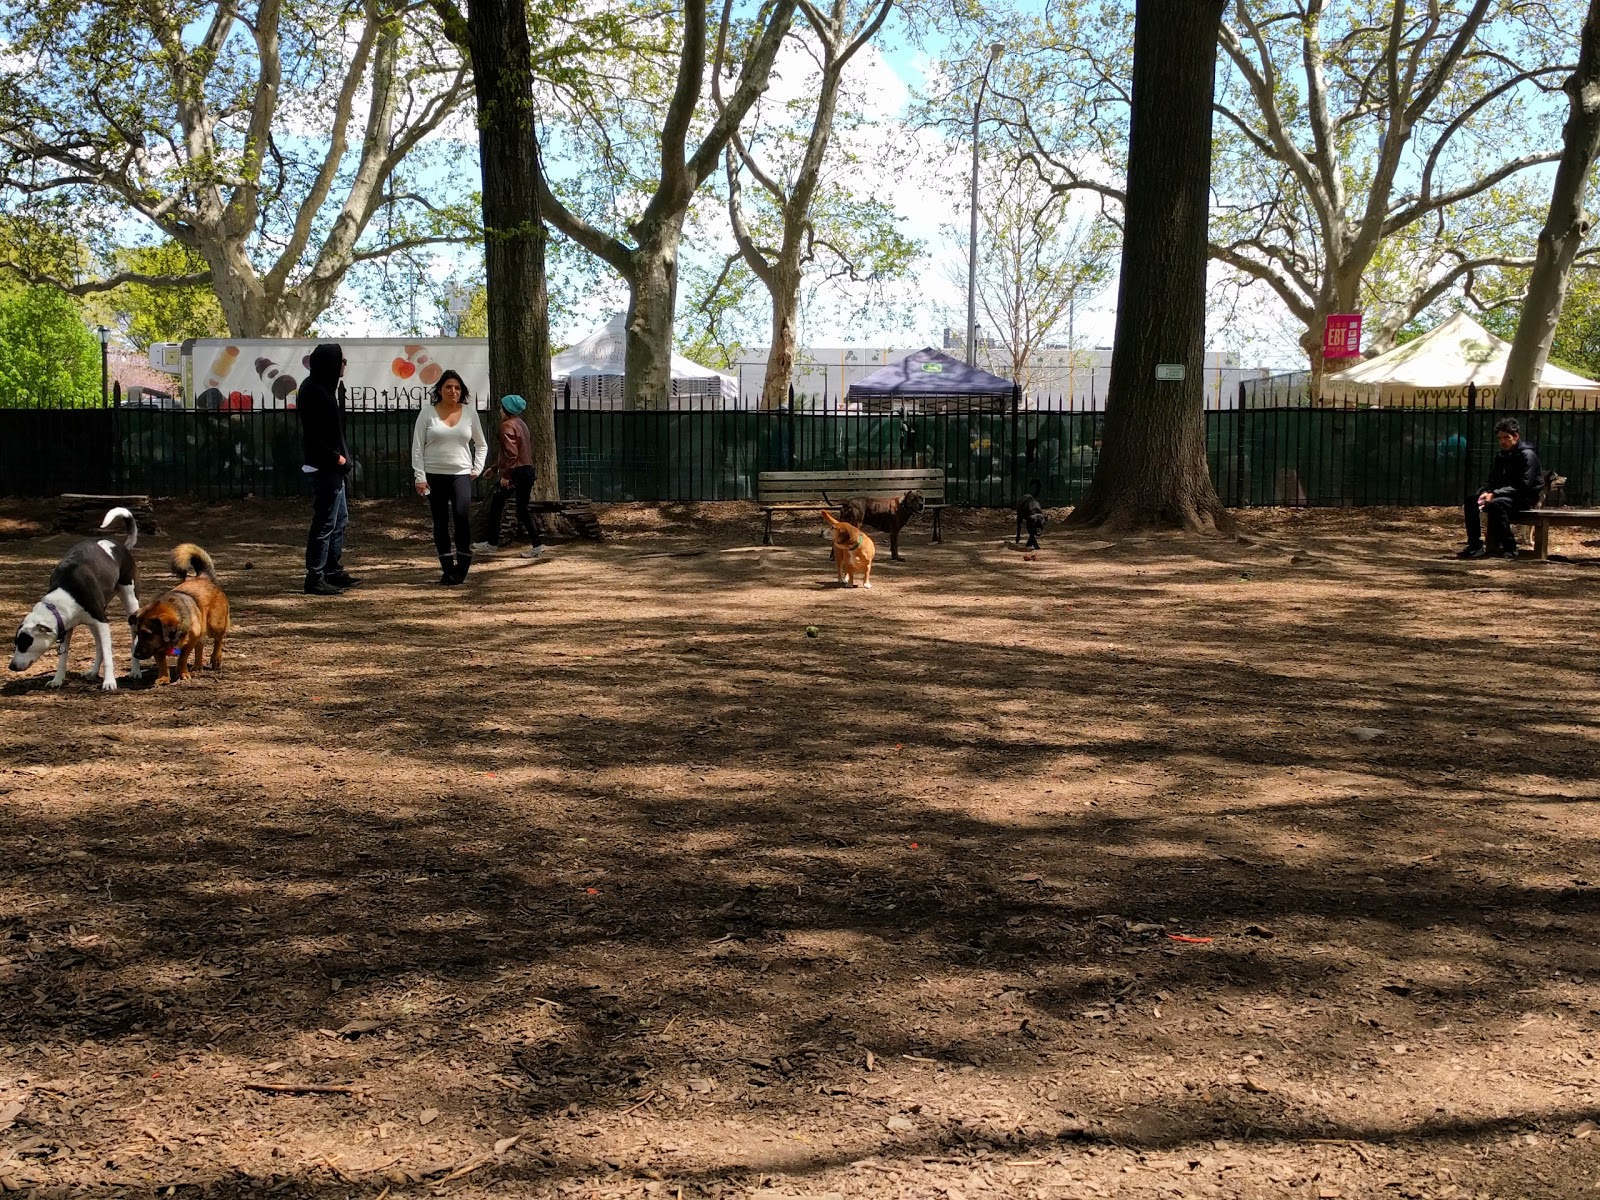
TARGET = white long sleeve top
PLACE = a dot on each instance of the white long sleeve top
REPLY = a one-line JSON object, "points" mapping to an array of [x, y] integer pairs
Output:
{"points": [[441, 449]]}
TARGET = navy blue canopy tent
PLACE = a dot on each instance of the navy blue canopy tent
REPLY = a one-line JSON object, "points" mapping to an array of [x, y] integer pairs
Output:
{"points": [[931, 380]]}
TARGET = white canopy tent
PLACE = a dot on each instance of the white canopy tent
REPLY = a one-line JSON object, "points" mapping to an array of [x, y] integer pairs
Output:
{"points": [[594, 372], [1436, 368]]}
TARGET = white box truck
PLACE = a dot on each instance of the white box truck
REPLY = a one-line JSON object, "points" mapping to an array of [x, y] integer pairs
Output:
{"points": [[241, 374]]}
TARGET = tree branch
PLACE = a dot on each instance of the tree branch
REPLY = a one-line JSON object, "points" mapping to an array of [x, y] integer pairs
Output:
{"points": [[1422, 207], [748, 249], [115, 280], [338, 141], [1302, 310]]}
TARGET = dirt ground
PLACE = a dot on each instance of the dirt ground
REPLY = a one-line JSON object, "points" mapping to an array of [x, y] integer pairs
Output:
{"points": [[1151, 868]]}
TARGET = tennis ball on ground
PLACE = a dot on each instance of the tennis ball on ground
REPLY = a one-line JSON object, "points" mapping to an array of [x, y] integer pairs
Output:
{"points": [[811, 631]]}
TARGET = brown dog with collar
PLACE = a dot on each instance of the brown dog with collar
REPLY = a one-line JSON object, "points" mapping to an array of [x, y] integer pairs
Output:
{"points": [[182, 618], [888, 515], [852, 552]]}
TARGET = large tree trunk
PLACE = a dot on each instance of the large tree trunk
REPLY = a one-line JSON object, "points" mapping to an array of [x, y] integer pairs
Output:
{"points": [[652, 302], [513, 231], [252, 305], [1152, 470], [1564, 227], [785, 331]]}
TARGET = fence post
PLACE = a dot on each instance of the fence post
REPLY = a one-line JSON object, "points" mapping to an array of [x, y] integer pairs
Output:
{"points": [[1238, 452], [118, 459], [1466, 452], [1016, 434], [790, 447]]}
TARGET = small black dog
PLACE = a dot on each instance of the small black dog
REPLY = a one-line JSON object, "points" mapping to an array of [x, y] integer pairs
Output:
{"points": [[1030, 513]]}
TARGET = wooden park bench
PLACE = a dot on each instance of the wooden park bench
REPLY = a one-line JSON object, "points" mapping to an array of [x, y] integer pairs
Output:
{"points": [[1542, 518], [802, 491]]}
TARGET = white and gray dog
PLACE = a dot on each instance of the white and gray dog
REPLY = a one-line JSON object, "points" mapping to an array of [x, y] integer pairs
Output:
{"points": [[80, 588]]}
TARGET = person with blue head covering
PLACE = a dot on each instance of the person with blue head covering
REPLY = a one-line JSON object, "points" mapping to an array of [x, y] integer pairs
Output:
{"points": [[516, 471]]}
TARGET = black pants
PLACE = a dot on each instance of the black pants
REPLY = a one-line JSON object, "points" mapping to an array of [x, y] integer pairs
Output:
{"points": [[450, 501], [330, 515], [522, 481], [1498, 510]]}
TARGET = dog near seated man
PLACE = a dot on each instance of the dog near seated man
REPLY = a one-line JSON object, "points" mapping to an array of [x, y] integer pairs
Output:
{"points": [[1030, 513], [852, 552], [88, 575], [888, 514], [183, 617]]}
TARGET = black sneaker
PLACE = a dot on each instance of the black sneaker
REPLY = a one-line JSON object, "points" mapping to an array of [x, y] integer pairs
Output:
{"points": [[1473, 552], [341, 578], [321, 585]]}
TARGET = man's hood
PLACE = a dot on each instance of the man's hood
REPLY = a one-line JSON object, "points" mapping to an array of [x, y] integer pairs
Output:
{"points": [[324, 363]]}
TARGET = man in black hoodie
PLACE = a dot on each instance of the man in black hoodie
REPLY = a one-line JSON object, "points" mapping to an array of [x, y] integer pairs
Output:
{"points": [[327, 462], [1514, 483]]}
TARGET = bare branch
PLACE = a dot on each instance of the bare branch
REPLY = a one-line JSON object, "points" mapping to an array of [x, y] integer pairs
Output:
{"points": [[1285, 289], [1421, 207], [109, 282]]}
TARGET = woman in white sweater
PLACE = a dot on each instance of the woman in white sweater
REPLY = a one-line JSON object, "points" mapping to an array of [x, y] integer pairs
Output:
{"points": [[448, 452]]}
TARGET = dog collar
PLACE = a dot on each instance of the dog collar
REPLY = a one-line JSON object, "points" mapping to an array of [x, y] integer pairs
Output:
{"points": [[61, 626]]}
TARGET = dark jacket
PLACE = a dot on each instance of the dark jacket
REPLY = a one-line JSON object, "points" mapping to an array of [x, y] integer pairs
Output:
{"points": [[321, 413], [1515, 475]]}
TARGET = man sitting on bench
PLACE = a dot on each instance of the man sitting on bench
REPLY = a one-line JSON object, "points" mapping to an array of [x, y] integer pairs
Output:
{"points": [[1514, 482]]}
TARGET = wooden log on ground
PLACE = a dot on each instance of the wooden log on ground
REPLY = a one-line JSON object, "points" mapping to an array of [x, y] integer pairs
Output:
{"points": [[79, 513], [556, 520], [585, 522]]}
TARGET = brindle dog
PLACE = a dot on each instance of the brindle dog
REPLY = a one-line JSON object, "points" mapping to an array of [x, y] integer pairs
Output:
{"points": [[889, 515]]}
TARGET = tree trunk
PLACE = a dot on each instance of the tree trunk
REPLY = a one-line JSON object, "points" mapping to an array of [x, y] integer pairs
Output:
{"points": [[1311, 343], [1564, 227], [513, 232], [785, 332], [250, 307], [1152, 471], [652, 302]]}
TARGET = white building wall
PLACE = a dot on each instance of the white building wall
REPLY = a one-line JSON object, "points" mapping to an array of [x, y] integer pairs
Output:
{"points": [[1059, 378]]}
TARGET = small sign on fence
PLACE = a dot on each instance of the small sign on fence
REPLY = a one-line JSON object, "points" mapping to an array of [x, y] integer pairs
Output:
{"points": [[1341, 337]]}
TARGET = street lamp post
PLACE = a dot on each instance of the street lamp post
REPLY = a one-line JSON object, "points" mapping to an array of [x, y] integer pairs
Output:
{"points": [[105, 373], [995, 51]]}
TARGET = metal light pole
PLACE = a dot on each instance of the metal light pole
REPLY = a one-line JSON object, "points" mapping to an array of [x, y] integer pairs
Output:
{"points": [[995, 51], [105, 374]]}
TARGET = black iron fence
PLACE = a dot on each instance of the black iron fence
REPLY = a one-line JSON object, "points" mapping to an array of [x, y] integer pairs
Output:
{"points": [[1264, 452]]}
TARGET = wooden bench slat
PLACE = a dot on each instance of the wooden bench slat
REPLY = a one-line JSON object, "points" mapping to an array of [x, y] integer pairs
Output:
{"points": [[852, 472], [840, 494]]}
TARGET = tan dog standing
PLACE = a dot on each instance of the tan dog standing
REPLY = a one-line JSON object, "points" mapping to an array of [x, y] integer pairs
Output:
{"points": [[183, 617], [852, 552]]}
